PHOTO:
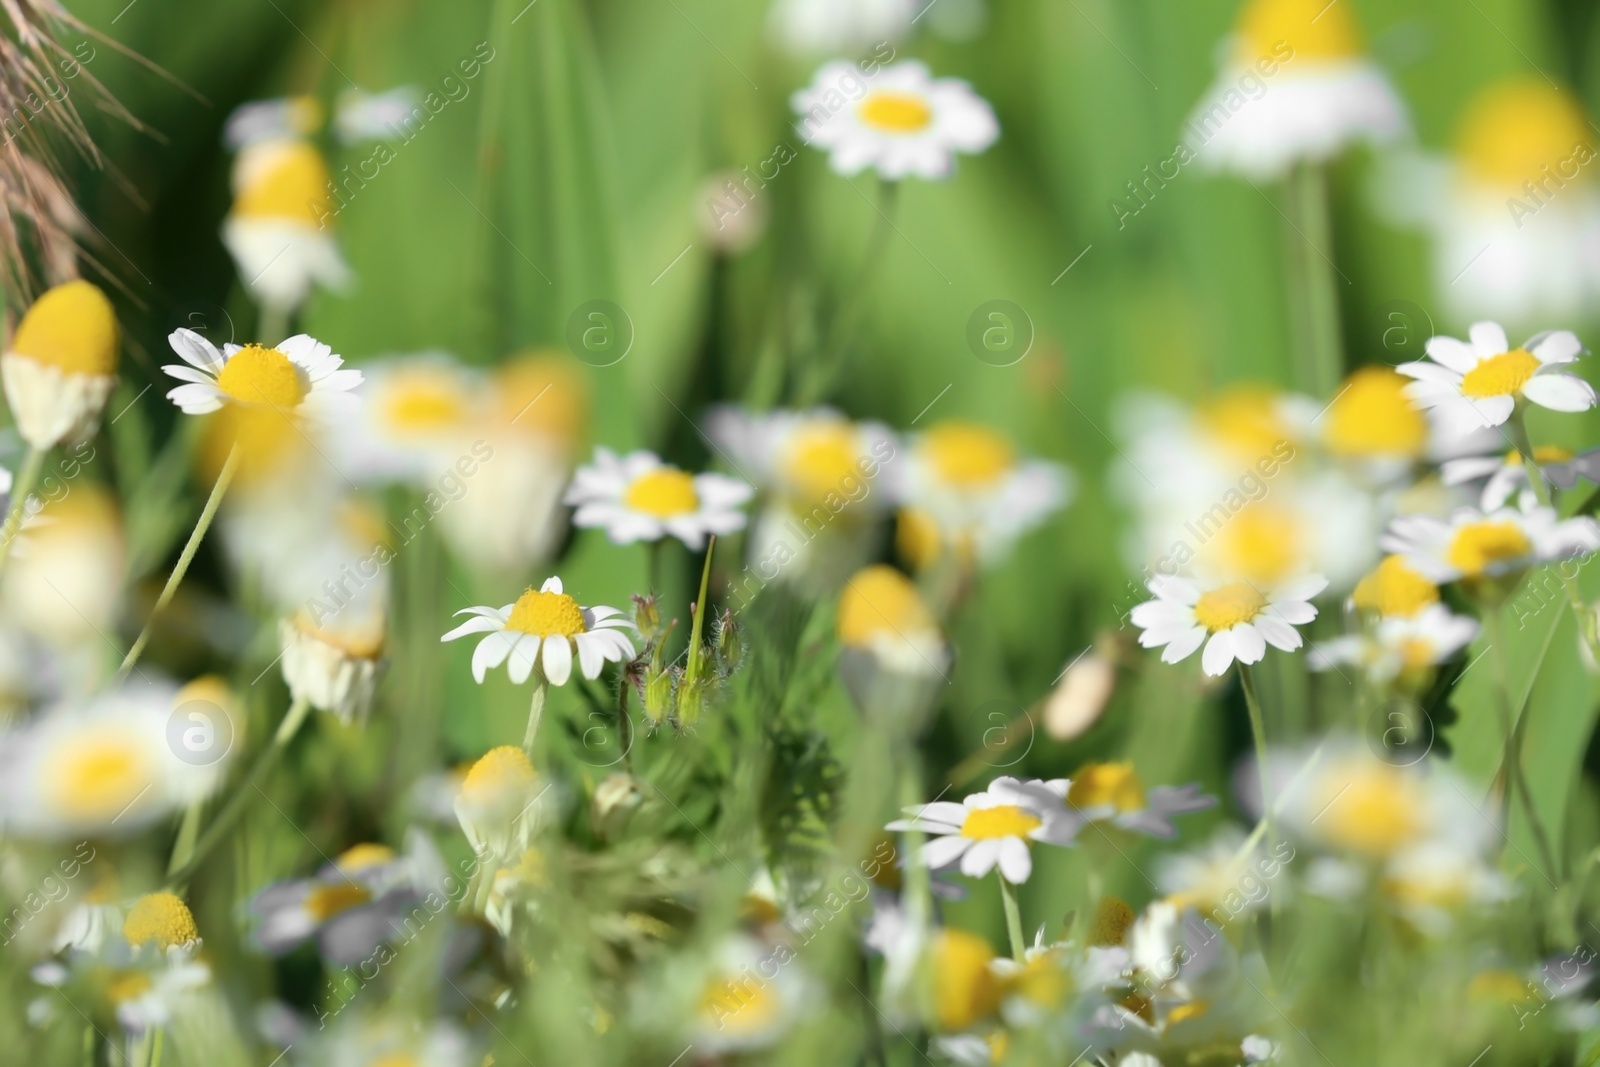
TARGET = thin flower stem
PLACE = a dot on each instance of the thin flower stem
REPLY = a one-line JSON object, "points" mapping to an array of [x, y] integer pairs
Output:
{"points": [[1511, 722], [207, 514], [1258, 732], [27, 478], [842, 330], [1008, 897], [541, 689], [1322, 346], [1584, 617], [223, 823], [188, 832]]}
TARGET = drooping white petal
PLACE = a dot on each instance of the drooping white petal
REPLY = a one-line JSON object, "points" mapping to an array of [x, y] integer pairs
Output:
{"points": [[557, 659], [1560, 392]]}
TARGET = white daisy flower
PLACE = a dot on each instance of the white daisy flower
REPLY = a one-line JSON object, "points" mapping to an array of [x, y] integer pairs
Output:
{"points": [[419, 417], [971, 493], [278, 231], [1112, 792], [546, 620], [1472, 544], [60, 365], [992, 828], [300, 375], [905, 122], [497, 805], [1476, 383], [746, 998], [1403, 645], [1295, 87], [270, 120], [637, 497], [1240, 619], [1504, 474], [831, 27]]}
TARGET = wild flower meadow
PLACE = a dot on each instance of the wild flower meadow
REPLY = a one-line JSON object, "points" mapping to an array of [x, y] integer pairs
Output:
{"points": [[799, 532]]}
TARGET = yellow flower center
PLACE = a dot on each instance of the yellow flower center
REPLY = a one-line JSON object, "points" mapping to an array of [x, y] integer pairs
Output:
{"points": [[424, 402], [1002, 820], [1043, 980], [823, 458], [1542, 454], [1261, 542], [1498, 987], [1416, 653], [1394, 589], [663, 492], [499, 772], [880, 601], [1516, 128], [1191, 1010], [965, 990], [894, 112], [100, 778], [71, 328], [546, 614], [1227, 606], [1112, 920], [290, 181], [917, 539], [160, 919], [1372, 416], [326, 901], [967, 456], [1481, 545], [259, 375], [360, 857], [1099, 785], [128, 985], [745, 1005], [545, 394], [1315, 30], [1245, 420], [1368, 808], [1501, 375]]}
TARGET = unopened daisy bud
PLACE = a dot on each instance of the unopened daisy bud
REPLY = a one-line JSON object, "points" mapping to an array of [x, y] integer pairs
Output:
{"points": [[647, 618], [160, 919], [894, 652], [61, 365], [693, 694], [658, 694], [278, 230], [1079, 700], [333, 664], [729, 643], [615, 800], [496, 805]]}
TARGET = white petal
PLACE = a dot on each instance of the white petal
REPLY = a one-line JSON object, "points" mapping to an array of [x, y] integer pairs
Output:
{"points": [[196, 350], [1297, 612], [523, 656], [1560, 392], [980, 858], [1218, 656], [1302, 588], [1454, 354], [551, 584], [1016, 863], [490, 653], [591, 655], [188, 374], [1278, 633], [1557, 346], [1488, 338], [557, 660], [1183, 647], [943, 851], [1248, 645], [196, 399], [478, 625]]}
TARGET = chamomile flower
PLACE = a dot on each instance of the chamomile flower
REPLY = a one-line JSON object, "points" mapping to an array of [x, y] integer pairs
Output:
{"points": [[1234, 620], [832, 27], [498, 805], [300, 375], [637, 497], [1296, 86], [419, 416], [546, 620], [991, 828], [1404, 646], [334, 662], [1113, 793], [1478, 382], [965, 486], [61, 365], [906, 122], [271, 120], [1473, 545], [1394, 589], [882, 614], [1504, 474], [66, 584], [394, 1039], [278, 229], [362, 116], [748, 996]]}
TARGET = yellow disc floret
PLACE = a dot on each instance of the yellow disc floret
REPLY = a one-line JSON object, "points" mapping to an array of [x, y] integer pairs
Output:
{"points": [[1368, 807], [289, 180], [259, 375], [1372, 416], [965, 990], [1501, 375], [543, 393], [1262, 542], [880, 601], [1247, 421], [99, 777], [546, 615], [1002, 820], [1315, 30], [423, 400], [895, 112], [71, 328], [1112, 920], [1479, 546], [160, 919], [360, 857], [822, 457], [1517, 128], [663, 492], [499, 772], [334, 898], [1393, 589], [966, 455], [1099, 785], [1228, 605]]}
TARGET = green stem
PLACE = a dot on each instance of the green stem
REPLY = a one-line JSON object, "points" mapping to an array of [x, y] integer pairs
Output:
{"points": [[27, 478], [1512, 722], [1585, 618], [207, 514], [541, 689], [273, 325], [1258, 733], [692, 670], [842, 330], [1008, 897], [188, 831], [1321, 346], [241, 798]]}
